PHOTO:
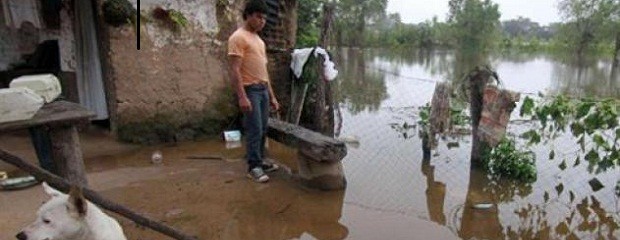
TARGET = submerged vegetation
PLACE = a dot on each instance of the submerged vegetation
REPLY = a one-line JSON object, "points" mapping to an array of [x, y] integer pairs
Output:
{"points": [[593, 123]]}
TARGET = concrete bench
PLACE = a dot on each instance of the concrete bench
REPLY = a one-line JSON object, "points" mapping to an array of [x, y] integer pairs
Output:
{"points": [[319, 157]]}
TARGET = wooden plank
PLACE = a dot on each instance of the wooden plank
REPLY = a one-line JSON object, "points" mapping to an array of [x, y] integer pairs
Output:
{"points": [[59, 112], [313, 145], [67, 154]]}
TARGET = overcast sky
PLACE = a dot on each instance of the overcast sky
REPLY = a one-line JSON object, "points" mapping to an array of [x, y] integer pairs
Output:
{"points": [[415, 11]]}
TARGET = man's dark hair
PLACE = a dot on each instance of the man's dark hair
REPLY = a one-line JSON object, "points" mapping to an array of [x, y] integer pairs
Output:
{"points": [[254, 6]]}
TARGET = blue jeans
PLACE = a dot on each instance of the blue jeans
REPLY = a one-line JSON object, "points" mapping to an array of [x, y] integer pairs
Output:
{"points": [[255, 124]]}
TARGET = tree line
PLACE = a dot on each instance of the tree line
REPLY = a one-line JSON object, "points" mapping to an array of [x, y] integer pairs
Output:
{"points": [[473, 25]]}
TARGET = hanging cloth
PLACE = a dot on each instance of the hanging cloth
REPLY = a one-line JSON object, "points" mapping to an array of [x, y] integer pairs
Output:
{"points": [[17, 12], [89, 73], [300, 57]]}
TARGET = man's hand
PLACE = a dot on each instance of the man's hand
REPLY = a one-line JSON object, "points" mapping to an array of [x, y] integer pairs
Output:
{"points": [[275, 106], [245, 105]]}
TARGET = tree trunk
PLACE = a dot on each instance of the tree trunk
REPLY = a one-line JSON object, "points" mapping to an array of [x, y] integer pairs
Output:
{"points": [[476, 89], [360, 27], [616, 52], [328, 17], [323, 109]]}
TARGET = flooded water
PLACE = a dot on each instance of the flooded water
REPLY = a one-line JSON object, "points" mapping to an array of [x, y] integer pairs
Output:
{"points": [[379, 94], [391, 194]]}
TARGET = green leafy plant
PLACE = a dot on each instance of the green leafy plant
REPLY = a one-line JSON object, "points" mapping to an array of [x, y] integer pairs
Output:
{"points": [[424, 115], [172, 18], [178, 18], [506, 161], [118, 12], [594, 124]]}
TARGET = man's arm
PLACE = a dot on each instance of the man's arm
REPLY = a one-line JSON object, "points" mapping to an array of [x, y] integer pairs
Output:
{"points": [[237, 84], [273, 101]]}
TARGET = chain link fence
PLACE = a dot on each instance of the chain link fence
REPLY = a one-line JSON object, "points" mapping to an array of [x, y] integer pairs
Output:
{"points": [[377, 114]]}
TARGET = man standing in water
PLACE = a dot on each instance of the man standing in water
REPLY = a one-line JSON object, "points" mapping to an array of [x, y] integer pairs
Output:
{"points": [[250, 79]]}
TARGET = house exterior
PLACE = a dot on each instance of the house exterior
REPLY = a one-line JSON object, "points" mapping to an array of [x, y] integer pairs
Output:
{"points": [[176, 85]]}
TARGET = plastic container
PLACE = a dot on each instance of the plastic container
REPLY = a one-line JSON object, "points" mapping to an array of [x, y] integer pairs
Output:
{"points": [[46, 85], [18, 104], [232, 136]]}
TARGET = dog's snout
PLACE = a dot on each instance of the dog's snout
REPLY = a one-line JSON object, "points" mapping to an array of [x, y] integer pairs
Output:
{"points": [[21, 236]]}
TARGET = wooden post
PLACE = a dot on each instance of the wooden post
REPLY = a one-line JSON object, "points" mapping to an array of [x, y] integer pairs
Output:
{"points": [[300, 91], [323, 121], [439, 121], [477, 80], [67, 154]]}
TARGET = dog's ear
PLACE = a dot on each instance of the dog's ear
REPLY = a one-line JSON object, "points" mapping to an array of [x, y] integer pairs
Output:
{"points": [[52, 192], [77, 202]]}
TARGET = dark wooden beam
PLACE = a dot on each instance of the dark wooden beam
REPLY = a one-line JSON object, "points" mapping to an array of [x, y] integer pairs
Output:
{"points": [[311, 144]]}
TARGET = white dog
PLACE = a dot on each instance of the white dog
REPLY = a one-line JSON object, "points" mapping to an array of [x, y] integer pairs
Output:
{"points": [[71, 217]]}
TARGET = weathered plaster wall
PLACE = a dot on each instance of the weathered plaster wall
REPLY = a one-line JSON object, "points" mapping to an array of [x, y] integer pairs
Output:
{"points": [[176, 86]]}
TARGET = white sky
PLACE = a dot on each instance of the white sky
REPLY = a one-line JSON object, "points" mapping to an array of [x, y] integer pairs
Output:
{"points": [[416, 11]]}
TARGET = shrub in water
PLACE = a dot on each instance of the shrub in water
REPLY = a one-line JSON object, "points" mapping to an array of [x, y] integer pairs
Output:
{"points": [[505, 160]]}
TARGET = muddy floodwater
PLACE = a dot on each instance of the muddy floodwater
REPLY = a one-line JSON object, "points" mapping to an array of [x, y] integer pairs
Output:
{"points": [[391, 194]]}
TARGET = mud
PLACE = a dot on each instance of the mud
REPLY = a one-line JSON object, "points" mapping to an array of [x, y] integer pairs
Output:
{"points": [[209, 198]]}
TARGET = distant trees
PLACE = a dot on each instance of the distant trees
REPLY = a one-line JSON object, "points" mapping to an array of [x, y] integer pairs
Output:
{"points": [[472, 25], [526, 29], [475, 24], [352, 17], [589, 22]]}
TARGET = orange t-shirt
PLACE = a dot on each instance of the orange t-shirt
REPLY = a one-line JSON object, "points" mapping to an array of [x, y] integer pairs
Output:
{"points": [[251, 48]]}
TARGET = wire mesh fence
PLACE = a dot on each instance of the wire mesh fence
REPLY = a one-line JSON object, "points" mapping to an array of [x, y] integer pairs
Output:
{"points": [[377, 114]]}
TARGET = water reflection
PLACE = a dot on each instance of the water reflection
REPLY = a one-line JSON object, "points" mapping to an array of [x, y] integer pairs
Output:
{"points": [[388, 173], [359, 88], [585, 78], [313, 216], [435, 193]]}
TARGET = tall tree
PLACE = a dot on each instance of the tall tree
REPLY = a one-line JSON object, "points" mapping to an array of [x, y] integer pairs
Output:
{"points": [[475, 24], [352, 17], [309, 13], [587, 20]]}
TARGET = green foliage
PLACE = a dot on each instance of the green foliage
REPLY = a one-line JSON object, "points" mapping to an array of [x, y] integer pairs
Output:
{"points": [[171, 18], [458, 116], [588, 23], [424, 115], [308, 28], [594, 125], [506, 161], [352, 18], [178, 18], [475, 24], [117, 12]]}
